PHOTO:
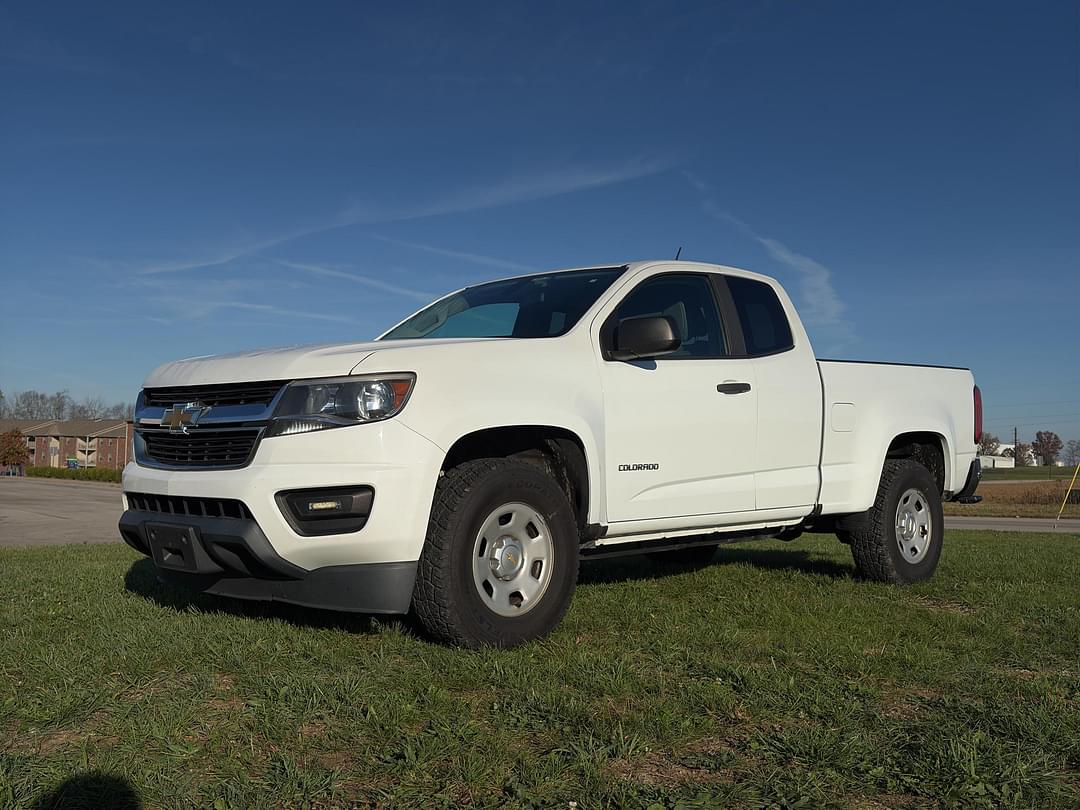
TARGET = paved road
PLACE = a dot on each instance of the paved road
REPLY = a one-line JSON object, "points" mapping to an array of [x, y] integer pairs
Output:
{"points": [[996, 481], [42, 512], [1066, 526]]}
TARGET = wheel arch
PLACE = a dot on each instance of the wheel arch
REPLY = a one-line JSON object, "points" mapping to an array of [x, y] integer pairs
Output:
{"points": [[559, 450], [927, 447]]}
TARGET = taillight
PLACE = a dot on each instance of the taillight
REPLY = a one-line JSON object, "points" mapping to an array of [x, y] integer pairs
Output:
{"points": [[977, 395]]}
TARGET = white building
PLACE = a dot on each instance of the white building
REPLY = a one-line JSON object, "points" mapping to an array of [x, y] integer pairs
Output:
{"points": [[1004, 458]]}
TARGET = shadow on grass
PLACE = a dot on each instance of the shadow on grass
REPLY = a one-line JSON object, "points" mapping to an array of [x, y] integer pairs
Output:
{"points": [[142, 579], [91, 790], [782, 558]]}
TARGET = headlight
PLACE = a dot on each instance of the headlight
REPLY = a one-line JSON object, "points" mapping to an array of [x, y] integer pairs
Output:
{"points": [[320, 404]]}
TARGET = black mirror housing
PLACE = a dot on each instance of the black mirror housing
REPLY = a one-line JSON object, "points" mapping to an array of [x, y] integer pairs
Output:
{"points": [[644, 337]]}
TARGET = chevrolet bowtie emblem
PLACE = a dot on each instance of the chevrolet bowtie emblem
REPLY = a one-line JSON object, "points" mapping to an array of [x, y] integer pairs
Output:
{"points": [[180, 417]]}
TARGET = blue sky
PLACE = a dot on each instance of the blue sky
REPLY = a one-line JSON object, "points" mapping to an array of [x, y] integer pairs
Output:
{"points": [[189, 178]]}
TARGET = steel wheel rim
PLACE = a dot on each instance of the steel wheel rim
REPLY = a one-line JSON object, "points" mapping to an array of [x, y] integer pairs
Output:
{"points": [[914, 525], [512, 559]]}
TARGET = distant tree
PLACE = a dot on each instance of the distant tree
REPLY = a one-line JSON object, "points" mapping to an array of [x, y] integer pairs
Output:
{"points": [[13, 449], [1022, 454], [1047, 444], [30, 405], [989, 445], [120, 410], [1072, 452], [89, 408], [60, 405], [38, 405]]}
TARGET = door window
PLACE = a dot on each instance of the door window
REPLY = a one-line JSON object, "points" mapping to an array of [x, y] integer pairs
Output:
{"points": [[688, 300], [765, 326]]}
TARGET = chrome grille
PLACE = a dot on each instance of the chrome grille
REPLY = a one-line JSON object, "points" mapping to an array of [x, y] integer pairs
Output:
{"points": [[251, 393], [202, 447]]}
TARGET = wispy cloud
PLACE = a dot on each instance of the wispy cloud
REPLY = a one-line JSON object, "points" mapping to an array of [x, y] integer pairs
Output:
{"points": [[475, 258], [518, 188], [819, 303], [510, 190], [231, 254], [185, 309], [356, 278]]}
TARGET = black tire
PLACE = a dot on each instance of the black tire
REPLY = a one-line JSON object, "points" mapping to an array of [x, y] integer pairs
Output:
{"points": [[445, 597], [689, 557], [877, 552]]}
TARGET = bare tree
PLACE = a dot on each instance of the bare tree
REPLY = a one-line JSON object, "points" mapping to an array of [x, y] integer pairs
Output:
{"points": [[89, 408], [121, 410], [989, 445], [1047, 444], [1072, 452], [60, 405], [38, 405], [30, 405], [1022, 454]]}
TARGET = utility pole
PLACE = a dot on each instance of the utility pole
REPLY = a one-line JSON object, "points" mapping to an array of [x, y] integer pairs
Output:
{"points": [[1016, 449]]}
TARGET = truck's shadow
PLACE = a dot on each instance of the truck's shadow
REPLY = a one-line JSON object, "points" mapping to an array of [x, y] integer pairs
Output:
{"points": [[783, 558], [142, 579]]}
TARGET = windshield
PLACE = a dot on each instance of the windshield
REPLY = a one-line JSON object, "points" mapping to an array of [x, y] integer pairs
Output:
{"points": [[546, 305]]}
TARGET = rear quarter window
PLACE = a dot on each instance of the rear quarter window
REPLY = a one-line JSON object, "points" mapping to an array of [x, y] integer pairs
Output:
{"points": [[764, 324]]}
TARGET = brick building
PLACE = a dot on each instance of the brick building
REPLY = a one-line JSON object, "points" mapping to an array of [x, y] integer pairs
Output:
{"points": [[87, 442]]}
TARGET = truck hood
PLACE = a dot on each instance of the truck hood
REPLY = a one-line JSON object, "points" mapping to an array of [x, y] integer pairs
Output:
{"points": [[285, 363]]}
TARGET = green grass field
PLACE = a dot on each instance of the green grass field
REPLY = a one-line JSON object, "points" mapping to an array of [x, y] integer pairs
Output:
{"points": [[1028, 473], [770, 679]]}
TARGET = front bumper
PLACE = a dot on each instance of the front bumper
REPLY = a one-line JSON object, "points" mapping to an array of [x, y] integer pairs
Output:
{"points": [[259, 555], [232, 557]]}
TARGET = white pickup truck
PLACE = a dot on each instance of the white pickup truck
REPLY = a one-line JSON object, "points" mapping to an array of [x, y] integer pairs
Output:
{"points": [[464, 462]]}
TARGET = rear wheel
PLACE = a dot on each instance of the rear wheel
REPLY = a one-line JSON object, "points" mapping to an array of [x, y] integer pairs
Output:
{"points": [[500, 563], [902, 540]]}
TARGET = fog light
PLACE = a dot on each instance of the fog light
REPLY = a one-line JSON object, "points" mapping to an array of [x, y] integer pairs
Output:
{"points": [[320, 506], [339, 510]]}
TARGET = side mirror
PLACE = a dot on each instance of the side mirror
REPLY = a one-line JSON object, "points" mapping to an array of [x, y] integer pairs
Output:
{"points": [[644, 337]]}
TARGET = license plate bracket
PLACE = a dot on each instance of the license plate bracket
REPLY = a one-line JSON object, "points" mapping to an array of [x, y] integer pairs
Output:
{"points": [[173, 546]]}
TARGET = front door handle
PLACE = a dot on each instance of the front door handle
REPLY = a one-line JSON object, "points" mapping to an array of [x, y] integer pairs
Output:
{"points": [[733, 387]]}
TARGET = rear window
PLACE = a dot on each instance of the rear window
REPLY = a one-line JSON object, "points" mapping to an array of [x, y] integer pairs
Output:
{"points": [[764, 324]]}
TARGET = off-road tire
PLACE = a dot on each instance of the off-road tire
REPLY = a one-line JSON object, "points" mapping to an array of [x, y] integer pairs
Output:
{"points": [[875, 548], [445, 598]]}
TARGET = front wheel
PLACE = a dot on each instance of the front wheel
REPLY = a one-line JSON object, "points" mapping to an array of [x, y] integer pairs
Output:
{"points": [[902, 541], [500, 562]]}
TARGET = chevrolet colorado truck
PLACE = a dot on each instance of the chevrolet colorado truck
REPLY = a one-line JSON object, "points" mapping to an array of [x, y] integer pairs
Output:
{"points": [[463, 463]]}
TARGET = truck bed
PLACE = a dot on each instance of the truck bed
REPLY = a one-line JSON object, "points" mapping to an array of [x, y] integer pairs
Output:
{"points": [[867, 404]]}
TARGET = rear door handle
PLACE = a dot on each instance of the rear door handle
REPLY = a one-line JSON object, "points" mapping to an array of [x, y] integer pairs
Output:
{"points": [[733, 387]]}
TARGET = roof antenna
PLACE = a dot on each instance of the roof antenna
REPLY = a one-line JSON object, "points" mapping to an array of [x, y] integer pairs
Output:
{"points": [[678, 253]]}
